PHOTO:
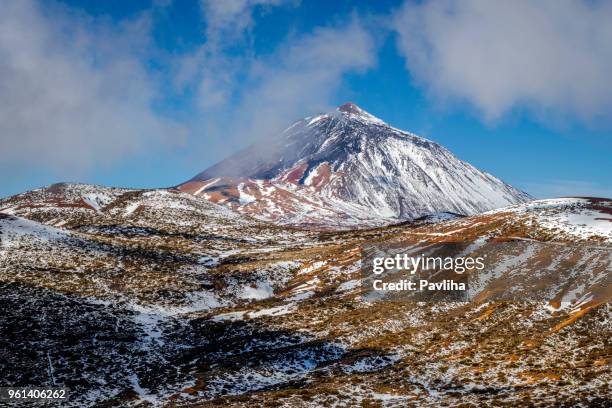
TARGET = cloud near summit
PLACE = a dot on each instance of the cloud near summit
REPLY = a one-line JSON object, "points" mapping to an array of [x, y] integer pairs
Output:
{"points": [[79, 92], [243, 95]]}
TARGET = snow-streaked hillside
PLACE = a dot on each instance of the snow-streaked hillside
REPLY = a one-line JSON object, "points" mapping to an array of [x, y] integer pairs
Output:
{"points": [[572, 218], [160, 298], [349, 168]]}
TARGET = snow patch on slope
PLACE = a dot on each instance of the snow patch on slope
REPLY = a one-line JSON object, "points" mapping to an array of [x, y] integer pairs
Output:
{"points": [[14, 229]]}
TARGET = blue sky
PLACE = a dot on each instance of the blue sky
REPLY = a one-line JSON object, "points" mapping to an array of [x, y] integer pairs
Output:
{"points": [[147, 94]]}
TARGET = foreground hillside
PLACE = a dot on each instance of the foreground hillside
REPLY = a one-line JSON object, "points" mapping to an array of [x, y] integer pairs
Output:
{"points": [[156, 297]]}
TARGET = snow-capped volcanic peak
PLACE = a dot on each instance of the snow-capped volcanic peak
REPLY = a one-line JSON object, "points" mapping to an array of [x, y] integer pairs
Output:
{"points": [[347, 168]]}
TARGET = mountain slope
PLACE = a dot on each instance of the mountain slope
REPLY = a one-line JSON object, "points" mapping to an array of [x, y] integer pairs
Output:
{"points": [[349, 168], [181, 302]]}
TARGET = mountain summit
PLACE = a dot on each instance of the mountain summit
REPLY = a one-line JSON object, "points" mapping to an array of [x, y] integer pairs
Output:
{"points": [[348, 168], [355, 111]]}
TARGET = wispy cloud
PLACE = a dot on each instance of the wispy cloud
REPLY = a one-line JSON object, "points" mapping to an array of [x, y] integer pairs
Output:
{"points": [[303, 75], [77, 92], [214, 68], [73, 90], [242, 96], [553, 57]]}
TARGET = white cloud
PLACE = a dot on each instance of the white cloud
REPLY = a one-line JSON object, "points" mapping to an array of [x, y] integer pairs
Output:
{"points": [[231, 18], [242, 95], [214, 67], [552, 57], [302, 76], [76, 93], [73, 91]]}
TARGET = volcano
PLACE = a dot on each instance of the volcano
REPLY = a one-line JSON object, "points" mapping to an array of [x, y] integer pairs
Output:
{"points": [[348, 168]]}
